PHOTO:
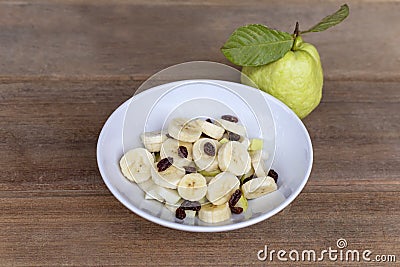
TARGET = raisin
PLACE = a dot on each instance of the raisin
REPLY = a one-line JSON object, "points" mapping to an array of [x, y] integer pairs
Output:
{"points": [[180, 213], [189, 169], [233, 136], [164, 164], [209, 149], [273, 174], [191, 205], [209, 120], [235, 198], [236, 210], [182, 152], [248, 179], [230, 118]]}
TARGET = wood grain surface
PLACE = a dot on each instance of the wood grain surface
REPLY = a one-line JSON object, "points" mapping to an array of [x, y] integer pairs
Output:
{"points": [[66, 65]]}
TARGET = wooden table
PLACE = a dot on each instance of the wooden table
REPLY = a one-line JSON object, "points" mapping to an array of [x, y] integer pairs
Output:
{"points": [[66, 65]]}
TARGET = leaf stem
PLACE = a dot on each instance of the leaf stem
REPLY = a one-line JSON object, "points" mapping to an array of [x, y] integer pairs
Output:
{"points": [[296, 33], [296, 30]]}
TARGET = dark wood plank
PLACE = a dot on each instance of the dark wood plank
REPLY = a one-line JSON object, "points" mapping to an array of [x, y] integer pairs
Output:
{"points": [[356, 137], [64, 39], [49, 132], [360, 92], [97, 230]]}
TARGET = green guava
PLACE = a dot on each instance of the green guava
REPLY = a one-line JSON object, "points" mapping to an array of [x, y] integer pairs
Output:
{"points": [[296, 79], [256, 144]]}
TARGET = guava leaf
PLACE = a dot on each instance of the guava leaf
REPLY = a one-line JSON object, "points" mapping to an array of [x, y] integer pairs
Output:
{"points": [[331, 20], [256, 44]]}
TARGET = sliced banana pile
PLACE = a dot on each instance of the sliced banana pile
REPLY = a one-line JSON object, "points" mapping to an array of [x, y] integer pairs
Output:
{"points": [[200, 167]]}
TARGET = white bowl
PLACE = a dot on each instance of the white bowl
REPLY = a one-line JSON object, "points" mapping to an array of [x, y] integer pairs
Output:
{"points": [[292, 161]]}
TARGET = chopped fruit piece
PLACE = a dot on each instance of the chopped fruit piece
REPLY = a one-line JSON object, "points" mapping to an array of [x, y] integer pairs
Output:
{"points": [[224, 140], [256, 144]]}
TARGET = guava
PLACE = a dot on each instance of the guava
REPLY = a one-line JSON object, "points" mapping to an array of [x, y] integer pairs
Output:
{"points": [[256, 144], [224, 140], [296, 79], [242, 202], [210, 174]]}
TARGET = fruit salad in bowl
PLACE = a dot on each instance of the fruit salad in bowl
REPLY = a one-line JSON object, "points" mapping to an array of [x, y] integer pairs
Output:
{"points": [[204, 155], [208, 168]]}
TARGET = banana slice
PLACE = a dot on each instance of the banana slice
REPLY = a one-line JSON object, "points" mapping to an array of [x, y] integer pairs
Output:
{"points": [[245, 141], [192, 187], [203, 160], [212, 130], [145, 186], [258, 163], [170, 196], [151, 193], [154, 191], [168, 178], [232, 127], [136, 165], [170, 148], [173, 207], [260, 169], [221, 187], [234, 158], [184, 130], [258, 187], [210, 213], [259, 154], [152, 140]]}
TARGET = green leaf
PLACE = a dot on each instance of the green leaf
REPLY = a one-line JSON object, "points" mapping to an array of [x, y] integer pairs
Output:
{"points": [[255, 45], [330, 20]]}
